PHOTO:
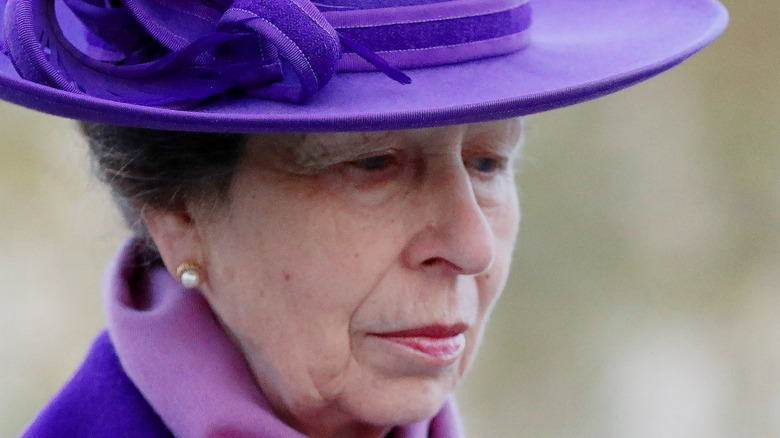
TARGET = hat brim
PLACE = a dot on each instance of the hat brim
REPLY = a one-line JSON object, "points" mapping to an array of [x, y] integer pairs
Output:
{"points": [[577, 50]]}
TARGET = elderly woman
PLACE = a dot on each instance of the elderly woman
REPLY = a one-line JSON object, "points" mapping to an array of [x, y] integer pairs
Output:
{"points": [[319, 236]]}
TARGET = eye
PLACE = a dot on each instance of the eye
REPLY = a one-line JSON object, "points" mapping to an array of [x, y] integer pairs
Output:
{"points": [[486, 164], [373, 170], [374, 163]]}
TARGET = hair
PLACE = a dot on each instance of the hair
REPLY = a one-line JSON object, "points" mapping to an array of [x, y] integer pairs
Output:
{"points": [[166, 170]]}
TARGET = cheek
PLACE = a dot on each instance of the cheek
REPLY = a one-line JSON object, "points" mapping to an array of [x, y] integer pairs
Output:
{"points": [[289, 314], [504, 219], [295, 272]]}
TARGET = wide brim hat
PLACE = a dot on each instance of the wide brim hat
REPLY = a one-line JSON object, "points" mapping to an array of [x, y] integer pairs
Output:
{"points": [[480, 60]]}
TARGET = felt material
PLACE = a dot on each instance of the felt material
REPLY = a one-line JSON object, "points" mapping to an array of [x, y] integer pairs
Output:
{"points": [[186, 55], [575, 50], [417, 35], [168, 365], [99, 401], [36, 35]]}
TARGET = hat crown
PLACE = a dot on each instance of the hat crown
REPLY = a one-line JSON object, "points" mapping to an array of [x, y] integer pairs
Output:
{"points": [[163, 52]]}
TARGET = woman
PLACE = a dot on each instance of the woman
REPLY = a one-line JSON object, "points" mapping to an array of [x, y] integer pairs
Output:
{"points": [[330, 284]]}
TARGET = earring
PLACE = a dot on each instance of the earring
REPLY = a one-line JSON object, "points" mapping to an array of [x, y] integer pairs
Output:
{"points": [[189, 274]]}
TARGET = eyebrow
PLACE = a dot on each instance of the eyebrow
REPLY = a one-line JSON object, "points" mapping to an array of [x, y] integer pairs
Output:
{"points": [[312, 152], [335, 147], [512, 144]]}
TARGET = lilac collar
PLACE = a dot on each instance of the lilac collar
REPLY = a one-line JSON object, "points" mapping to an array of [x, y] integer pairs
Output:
{"points": [[175, 352]]}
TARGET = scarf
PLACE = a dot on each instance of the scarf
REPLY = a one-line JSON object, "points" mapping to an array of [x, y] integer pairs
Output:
{"points": [[174, 350]]}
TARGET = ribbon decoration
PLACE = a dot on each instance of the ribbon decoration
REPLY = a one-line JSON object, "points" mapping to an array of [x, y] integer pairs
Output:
{"points": [[154, 52], [180, 53]]}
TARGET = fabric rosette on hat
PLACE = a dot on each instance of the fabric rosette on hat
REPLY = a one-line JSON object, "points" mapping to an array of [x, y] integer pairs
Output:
{"points": [[335, 65]]}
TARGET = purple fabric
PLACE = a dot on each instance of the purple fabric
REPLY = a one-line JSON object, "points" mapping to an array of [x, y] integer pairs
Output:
{"points": [[299, 32], [174, 351], [99, 401], [174, 23], [376, 4], [371, 60], [577, 50], [432, 56], [181, 50], [434, 33], [41, 52], [109, 27], [196, 66], [441, 10]]}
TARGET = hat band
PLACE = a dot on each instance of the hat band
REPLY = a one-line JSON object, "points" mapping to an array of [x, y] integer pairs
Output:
{"points": [[433, 34], [163, 52]]}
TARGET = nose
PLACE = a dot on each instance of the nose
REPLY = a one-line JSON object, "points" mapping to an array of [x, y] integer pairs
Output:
{"points": [[454, 234]]}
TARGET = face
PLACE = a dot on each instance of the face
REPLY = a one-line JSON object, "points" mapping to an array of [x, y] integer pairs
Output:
{"points": [[356, 271]]}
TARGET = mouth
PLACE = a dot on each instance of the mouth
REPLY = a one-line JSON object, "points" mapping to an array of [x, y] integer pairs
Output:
{"points": [[437, 345]]}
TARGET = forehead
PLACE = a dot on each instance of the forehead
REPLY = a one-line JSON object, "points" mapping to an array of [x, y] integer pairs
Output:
{"points": [[500, 131], [508, 131]]}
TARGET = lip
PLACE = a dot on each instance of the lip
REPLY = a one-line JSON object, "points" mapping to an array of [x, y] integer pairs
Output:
{"points": [[433, 331], [436, 345]]}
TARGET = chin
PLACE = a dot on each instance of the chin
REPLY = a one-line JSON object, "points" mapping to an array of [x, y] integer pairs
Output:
{"points": [[407, 402]]}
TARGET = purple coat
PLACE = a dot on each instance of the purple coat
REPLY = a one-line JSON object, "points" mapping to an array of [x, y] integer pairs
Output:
{"points": [[99, 401]]}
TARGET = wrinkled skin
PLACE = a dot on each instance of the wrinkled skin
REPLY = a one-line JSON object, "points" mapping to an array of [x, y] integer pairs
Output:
{"points": [[330, 240]]}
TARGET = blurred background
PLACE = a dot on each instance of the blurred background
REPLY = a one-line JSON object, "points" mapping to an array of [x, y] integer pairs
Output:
{"points": [[645, 296]]}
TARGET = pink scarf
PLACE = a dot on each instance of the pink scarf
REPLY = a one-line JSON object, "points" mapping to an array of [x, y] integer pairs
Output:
{"points": [[174, 350]]}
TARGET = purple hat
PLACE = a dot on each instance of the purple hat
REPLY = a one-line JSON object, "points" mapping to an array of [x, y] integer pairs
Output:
{"points": [[335, 65]]}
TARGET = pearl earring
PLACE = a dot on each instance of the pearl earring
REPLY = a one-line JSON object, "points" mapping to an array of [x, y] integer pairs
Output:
{"points": [[189, 274]]}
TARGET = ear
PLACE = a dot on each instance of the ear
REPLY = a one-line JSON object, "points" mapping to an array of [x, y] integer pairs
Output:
{"points": [[176, 236]]}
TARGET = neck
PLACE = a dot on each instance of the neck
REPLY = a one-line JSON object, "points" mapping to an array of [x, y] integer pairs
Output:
{"points": [[327, 421]]}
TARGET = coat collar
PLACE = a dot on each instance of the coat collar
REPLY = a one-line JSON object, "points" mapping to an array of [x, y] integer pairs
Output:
{"points": [[174, 350]]}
